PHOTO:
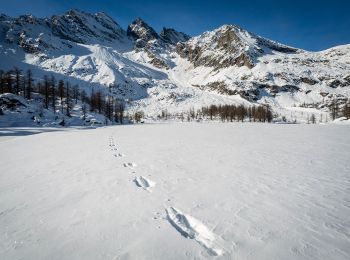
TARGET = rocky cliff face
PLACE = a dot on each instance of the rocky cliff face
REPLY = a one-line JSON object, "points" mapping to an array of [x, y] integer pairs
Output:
{"points": [[153, 44], [142, 33], [171, 36]]}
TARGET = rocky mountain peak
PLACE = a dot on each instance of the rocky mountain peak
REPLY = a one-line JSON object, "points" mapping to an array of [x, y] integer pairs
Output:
{"points": [[171, 36], [229, 45], [82, 27], [27, 19], [141, 32], [74, 12]]}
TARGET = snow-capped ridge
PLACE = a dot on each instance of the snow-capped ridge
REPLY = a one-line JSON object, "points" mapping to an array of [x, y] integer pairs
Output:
{"points": [[82, 27], [229, 45], [39, 35]]}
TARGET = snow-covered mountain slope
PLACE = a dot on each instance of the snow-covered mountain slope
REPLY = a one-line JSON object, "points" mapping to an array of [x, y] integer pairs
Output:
{"points": [[172, 71], [17, 111]]}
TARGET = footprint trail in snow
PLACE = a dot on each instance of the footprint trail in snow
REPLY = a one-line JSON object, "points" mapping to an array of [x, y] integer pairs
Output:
{"points": [[186, 225], [144, 183], [129, 165], [192, 228], [114, 148]]}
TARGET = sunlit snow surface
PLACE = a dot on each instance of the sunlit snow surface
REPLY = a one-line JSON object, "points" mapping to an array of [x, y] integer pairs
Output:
{"points": [[223, 191]]}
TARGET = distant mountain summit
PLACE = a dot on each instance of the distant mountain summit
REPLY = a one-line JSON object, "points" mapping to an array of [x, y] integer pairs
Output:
{"points": [[227, 46], [141, 32]]}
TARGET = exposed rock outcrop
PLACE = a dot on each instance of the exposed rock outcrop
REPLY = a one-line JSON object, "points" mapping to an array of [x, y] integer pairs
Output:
{"points": [[141, 33], [171, 36]]}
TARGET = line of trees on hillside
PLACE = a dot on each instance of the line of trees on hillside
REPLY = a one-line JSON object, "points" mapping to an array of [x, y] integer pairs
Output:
{"points": [[346, 110], [336, 111], [225, 113], [60, 95], [260, 113]]}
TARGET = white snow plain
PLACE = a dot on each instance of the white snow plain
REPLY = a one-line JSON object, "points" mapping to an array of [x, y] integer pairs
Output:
{"points": [[224, 191]]}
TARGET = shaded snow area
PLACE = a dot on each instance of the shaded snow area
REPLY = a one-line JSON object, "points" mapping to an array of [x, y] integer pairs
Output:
{"points": [[176, 191]]}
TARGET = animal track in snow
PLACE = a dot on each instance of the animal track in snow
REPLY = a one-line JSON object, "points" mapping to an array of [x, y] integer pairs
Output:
{"points": [[114, 147], [111, 142], [144, 183], [130, 165], [192, 228]]}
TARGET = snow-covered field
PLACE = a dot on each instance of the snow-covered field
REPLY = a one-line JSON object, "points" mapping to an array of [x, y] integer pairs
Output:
{"points": [[176, 191]]}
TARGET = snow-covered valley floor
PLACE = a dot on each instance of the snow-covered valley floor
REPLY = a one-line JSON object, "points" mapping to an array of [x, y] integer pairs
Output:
{"points": [[176, 191]]}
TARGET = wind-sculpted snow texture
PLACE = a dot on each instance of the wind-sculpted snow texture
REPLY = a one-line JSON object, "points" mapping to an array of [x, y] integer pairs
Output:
{"points": [[173, 71], [224, 191]]}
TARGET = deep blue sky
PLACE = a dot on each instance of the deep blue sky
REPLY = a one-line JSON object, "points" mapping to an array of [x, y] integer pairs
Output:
{"points": [[312, 25]]}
